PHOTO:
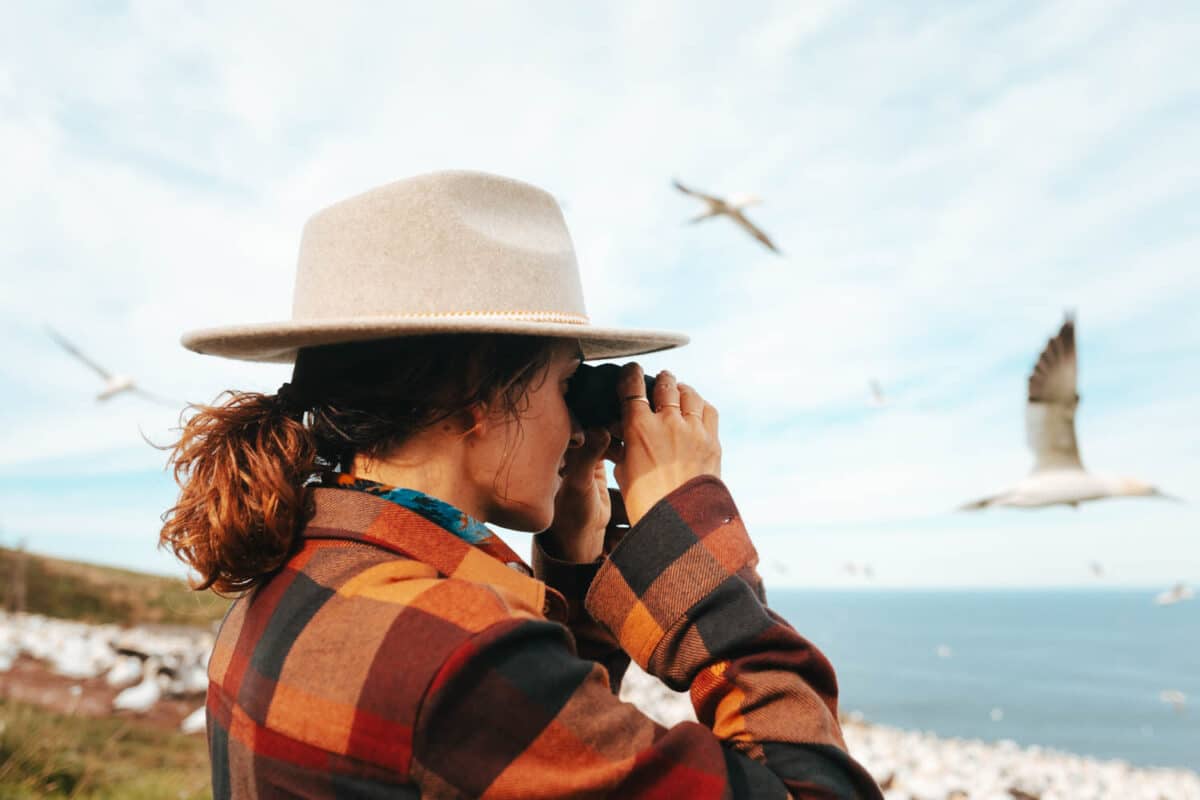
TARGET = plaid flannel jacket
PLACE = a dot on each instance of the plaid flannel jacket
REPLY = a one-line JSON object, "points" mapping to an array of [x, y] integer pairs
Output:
{"points": [[390, 658]]}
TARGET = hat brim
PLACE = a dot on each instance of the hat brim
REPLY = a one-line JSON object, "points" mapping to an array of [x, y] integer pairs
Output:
{"points": [[278, 341]]}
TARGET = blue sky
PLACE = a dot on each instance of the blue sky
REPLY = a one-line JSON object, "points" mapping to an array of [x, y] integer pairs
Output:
{"points": [[944, 180]]}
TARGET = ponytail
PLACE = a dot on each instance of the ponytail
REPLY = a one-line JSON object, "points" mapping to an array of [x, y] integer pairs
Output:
{"points": [[241, 466]]}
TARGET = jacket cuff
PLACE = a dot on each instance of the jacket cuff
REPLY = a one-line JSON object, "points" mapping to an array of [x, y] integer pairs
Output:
{"points": [[679, 553], [568, 578]]}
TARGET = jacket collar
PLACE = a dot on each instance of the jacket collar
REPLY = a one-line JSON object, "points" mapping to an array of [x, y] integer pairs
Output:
{"points": [[371, 518]]}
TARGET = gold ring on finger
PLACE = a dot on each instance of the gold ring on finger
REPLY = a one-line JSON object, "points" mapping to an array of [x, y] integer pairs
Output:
{"points": [[692, 414], [668, 405], [638, 397]]}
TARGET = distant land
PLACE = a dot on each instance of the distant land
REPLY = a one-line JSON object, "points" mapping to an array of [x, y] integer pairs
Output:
{"points": [[56, 587]]}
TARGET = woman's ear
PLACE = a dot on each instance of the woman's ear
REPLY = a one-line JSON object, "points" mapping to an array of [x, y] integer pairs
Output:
{"points": [[472, 421]]}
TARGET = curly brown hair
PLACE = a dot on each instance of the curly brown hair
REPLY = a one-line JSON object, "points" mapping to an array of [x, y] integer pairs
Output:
{"points": [[244, 462]]}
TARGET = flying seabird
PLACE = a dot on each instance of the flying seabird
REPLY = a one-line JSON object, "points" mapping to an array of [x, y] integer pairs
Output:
{"points": [[732, 208], [113, 384], [878, 398], [1058, 475]]}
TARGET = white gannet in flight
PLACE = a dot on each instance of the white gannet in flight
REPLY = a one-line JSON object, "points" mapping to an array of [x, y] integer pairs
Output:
{"points": [[1058, 475], [732, 208], [878, 398], [113, 384]]}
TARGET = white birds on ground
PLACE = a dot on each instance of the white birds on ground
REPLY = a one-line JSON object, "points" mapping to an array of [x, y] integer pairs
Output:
{"points": [[125, 671], [163, 660], [730, 207], [1174, 698], [113, 384], [195, 722], [1176, 594], [189, 680], [1058, 475], [141, 697], [85, 655]]}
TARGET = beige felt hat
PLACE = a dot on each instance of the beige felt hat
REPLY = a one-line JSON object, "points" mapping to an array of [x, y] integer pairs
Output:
{"points": [[447, 252]]}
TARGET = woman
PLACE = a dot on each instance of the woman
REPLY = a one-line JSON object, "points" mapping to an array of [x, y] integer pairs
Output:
{"points": [[385, 642]]}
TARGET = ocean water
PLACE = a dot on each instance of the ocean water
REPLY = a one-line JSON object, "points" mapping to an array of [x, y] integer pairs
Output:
{"points": [[1076, 670]]}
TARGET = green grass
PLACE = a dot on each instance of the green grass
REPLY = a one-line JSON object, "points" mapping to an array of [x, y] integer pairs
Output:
{"points": [[73, 590], [48, 755]]}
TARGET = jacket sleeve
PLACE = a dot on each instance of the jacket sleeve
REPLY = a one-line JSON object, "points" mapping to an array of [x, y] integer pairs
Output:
{"points": [[513, 712]]}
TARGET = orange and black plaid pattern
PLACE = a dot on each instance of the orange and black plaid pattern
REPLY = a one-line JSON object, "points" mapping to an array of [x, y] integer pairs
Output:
{"points": [[390, 658]]}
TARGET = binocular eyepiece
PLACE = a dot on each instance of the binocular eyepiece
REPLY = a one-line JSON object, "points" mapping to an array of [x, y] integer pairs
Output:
{"points": [[592, 395]]}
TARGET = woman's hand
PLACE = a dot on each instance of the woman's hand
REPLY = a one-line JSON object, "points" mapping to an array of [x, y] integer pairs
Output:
{"points": [[666, 448], [582, 506]]}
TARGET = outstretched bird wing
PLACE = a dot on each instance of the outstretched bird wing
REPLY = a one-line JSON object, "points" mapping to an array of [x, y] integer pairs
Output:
{"points": [[1050, 413], [708, 198], [740, 219], [73, 350]]}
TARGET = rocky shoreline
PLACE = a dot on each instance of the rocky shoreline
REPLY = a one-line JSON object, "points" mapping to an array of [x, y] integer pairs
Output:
{"points": [[915, 765]]}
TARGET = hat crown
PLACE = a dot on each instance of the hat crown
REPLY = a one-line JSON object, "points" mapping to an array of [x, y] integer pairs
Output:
{"points": [[451, 244], [452, 252]]}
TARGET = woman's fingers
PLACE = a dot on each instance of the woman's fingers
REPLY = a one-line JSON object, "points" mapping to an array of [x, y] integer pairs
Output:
{"points": [[632, 388], [691, 403], [666, 393], [658, 453]]}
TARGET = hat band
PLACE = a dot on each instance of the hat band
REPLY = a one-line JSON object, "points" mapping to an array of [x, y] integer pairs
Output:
{"points": [[521, 316]]}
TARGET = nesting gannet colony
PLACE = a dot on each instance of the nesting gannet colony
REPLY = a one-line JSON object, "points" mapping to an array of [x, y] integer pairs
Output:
{"points": [[912, 765], [1058, 475], [151, 662]]}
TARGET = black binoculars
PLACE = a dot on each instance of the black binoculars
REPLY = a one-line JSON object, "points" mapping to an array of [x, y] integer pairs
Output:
{"points": [[592, 395]]}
